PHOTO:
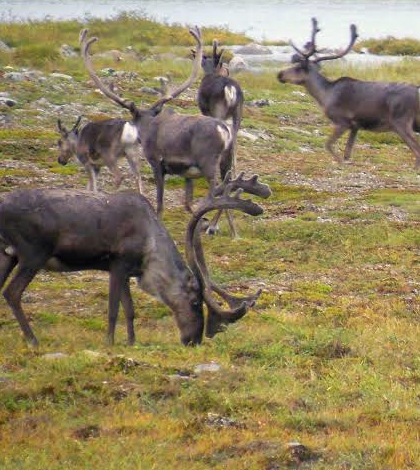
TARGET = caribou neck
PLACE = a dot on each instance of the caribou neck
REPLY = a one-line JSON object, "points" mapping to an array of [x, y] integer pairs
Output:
{"points": [[318, 87]]}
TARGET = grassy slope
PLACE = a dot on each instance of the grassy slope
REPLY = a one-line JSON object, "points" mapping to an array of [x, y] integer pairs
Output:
{"points": [[329, 356]]}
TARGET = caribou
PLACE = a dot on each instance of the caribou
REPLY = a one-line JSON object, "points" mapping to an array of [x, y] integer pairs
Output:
{"points": [[73, 230], [173, 143], [356, 104], [219, 95], [101, 143]]}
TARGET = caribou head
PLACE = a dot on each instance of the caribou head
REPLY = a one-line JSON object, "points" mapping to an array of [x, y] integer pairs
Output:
{"points": [[68, 142], [307, 60]]}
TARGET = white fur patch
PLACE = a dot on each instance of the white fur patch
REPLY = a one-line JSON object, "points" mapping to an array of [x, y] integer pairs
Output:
{"points": [[10, 251], [225, 134], [230, 95], [129, 134]]}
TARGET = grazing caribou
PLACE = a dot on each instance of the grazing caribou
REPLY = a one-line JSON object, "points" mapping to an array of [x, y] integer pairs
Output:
{"points": [[173, 143], [101, 143], [356, 104], [74, 230]]}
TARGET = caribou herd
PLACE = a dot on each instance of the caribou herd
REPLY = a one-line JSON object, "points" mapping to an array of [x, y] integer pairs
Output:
{"points": [[74, 230]]}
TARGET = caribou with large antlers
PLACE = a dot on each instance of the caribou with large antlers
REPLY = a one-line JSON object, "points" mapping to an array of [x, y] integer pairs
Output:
{"points": [[189, 146], [356, 104], [74, 230], [101, 143]]}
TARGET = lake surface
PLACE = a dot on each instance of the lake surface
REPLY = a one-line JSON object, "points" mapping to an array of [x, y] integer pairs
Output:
{"points": [[263, 19]]}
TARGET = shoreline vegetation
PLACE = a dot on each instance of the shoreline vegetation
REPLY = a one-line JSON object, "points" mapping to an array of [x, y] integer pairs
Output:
{"points": [[34, 43], [322, 374]]}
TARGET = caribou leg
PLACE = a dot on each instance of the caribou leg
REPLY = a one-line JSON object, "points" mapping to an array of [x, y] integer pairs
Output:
{"points": [[408, 136], [128, 306], [132, 156], [338, 131], [189, 188], [350, 143], [7, 263], [13, 295], [117, 279]]}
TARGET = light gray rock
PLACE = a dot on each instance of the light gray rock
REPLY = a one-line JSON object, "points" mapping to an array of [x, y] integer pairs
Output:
{"points": [[149, 91], [15, 76], [210, 367], [61, 75], [260, 103], [237, 63], [67, 51], [253, 49], [54, 356]]}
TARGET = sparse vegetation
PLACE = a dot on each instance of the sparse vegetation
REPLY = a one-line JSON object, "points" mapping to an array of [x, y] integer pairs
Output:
{"points": [[329, 357], [390, 46]]}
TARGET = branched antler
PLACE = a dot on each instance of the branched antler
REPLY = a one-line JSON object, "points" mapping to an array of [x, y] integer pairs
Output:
{"points": [[353, 37], [85, 44], [168, 93], [311, 49], [218, 199]]}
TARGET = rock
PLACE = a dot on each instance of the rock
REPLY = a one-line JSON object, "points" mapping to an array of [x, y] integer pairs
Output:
{"points": [[210, 367], [67, 51], [92, 354], [254, 135], [54, 356], [247, 135], [253, 49], [5, 48], [300, 452], [298, 93], [216, 421], [260, 103], [15, 76], [6, 100], [149, 91], [5, 119], [237, 63], [108, 71], [113, 54], [61, 75], [181, 376]]}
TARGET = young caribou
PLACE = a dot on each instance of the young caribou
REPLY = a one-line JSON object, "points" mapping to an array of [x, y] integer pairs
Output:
{"points": [[173, 143], [356, 104], [74, 230], [101, 143]]}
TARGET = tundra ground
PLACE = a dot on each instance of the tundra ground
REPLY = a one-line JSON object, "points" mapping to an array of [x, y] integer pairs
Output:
{"points": [[329, 357]]}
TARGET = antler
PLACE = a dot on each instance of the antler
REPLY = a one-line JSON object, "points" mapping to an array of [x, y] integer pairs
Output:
{"points": [[85, 45], [310, 46], [353, 37], [217, 57], [170, 94], [220, 199], [77, 124], [63, 130]]}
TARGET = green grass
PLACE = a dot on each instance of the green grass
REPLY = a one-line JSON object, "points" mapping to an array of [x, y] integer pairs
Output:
{"points": [[391, 46], [329, 355]]}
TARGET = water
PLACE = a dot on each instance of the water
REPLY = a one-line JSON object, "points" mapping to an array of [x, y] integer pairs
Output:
{"points": [[264, 19]]}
